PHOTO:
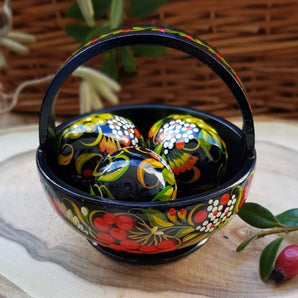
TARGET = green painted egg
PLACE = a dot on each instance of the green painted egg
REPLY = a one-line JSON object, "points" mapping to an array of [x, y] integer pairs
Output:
{"points": [[193, 149], [85, 143], [134, 174]]}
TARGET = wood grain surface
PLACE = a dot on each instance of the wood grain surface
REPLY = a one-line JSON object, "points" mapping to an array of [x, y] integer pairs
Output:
{"points": [[41, 256]]}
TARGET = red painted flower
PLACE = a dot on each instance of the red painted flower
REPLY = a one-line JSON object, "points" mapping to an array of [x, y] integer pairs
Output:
{"points": [[125, 222], [167, 245], [118, 233], [200, 216], [104, 237], [129, 244], [101, 225], [109, 218]]}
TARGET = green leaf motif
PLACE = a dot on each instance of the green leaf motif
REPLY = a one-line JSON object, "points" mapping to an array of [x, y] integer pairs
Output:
{"points": [[156, 218], [206, 140], [116, 13], [91, 190], [97, 31], [258, 216], [78, 32], [246, 242], [144, 8], [109, 66], [149, 51], [267, 258], [158, 149], [115, 170], [184, 231], [289, 217], [165, 194], [168, 175], [129, 63], [101, 8]]}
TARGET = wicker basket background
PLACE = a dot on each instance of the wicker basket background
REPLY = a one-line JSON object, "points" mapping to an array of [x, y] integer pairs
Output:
{"points": [[259, 38]]}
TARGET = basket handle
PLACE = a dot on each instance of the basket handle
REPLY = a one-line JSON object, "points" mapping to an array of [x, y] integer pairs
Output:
{"points": [[156, 35]]}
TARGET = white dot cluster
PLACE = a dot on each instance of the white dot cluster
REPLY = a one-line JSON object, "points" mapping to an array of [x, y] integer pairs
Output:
{"points": [[217, 214], [121, 127], [176, 131]]}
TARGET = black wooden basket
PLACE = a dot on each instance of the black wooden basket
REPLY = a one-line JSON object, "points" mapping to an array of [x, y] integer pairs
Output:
{"points": [[150, 232]]}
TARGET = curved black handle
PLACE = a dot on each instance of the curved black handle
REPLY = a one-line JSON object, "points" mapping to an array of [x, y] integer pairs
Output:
{"points": [[158, 35]]}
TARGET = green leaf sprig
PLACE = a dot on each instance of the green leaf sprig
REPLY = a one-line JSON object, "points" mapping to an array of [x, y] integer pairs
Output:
{"points": [[281, 224], [119, 62]]}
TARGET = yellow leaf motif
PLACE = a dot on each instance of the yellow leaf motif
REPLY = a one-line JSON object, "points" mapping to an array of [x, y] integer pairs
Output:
{"points": [[83, 158], [160, 222], [148, 165], [115, 170]]}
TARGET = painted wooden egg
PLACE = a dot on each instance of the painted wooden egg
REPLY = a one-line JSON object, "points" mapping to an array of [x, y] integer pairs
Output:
{"points": [[193, 149], [87, 141], [134, 174]]}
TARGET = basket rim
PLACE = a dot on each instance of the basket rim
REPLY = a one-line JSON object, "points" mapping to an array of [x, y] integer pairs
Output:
{"points": [[72, 192]]}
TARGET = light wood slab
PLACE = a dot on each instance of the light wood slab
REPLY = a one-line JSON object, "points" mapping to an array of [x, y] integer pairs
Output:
{"points": [[40, 256]]}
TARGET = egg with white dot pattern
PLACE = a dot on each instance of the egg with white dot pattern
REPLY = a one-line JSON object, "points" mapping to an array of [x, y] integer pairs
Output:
{"points": [[85, 143], [193, 149]]}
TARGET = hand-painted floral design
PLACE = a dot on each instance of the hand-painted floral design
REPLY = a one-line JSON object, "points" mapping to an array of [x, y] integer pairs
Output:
{"points": [[151, 231], [84, 144], [134, 174], [172, 31], [193, 149], [244, 195]]}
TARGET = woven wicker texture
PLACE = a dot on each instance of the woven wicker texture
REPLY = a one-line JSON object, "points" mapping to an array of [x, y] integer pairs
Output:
{"points": [[259, 38]]}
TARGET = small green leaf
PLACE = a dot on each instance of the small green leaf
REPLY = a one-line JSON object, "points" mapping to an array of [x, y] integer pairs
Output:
{"points": [[267, 258], [74, 12], [289, 217], [258, 216], [158, 148], [109, 66], [246, 242], [144, 8], [78, 32], [206, 140], [116, 13], [129, 63], [165, 194], [184, 231], [115, 172], [149, 51], [169, 176], [92, 191], [98, 30], [156, 218], [101, 7]]}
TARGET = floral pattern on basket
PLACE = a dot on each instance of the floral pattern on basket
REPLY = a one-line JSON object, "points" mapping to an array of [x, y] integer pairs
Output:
{"points": [[150, 231], [165, 30]]}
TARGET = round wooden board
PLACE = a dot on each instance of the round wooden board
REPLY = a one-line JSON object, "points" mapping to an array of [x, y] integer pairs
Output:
{"points": [[41, 256]]}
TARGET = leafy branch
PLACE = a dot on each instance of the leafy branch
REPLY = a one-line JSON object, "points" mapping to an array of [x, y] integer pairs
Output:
{"points": [[112, 14], [260, 217]]}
